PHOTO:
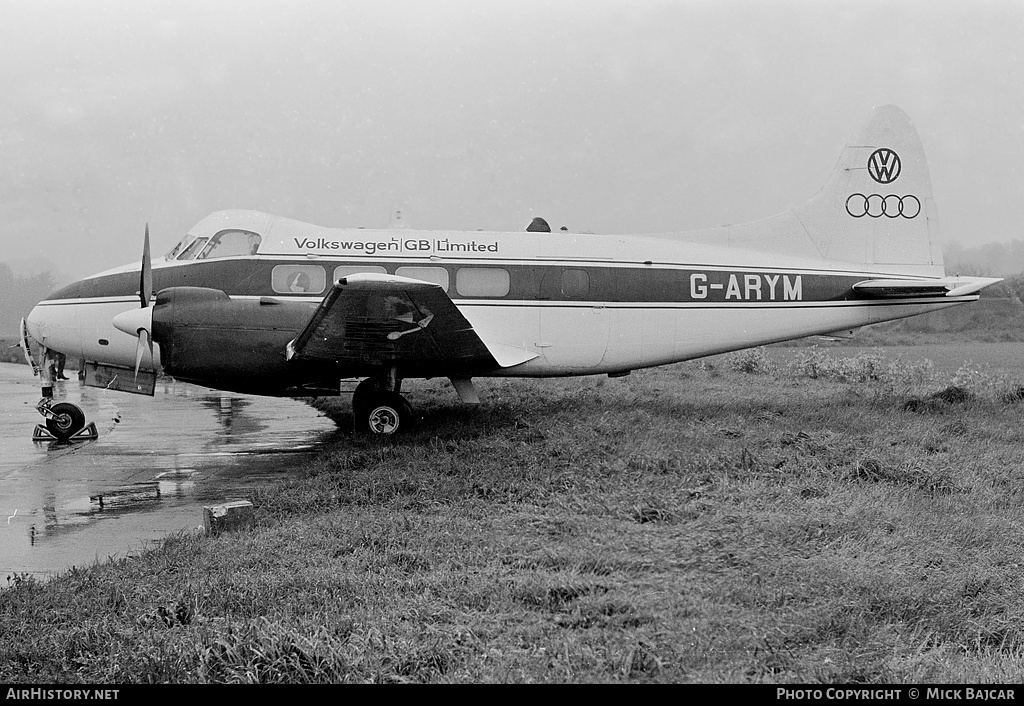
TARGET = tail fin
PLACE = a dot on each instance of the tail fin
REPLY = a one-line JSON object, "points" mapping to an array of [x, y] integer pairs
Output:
{"points": [[877, 206]]}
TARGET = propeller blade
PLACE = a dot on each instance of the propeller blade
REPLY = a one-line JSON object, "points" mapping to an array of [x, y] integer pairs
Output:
{"points": [[146, 280], [23, 342], [140, 350]]}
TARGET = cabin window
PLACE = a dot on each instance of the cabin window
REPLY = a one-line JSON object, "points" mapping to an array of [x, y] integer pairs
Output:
{"points": [[437, 275], [231, 243], [346, 270], [482, 281], [298, 279], [575, 284], [194, 247]]}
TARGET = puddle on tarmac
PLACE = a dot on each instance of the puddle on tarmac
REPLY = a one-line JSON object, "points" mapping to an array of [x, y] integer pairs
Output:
{"points": [[157, 461]]}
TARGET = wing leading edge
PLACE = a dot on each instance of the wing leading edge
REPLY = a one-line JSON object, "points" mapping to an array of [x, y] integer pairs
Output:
{"points": [[372, 319]]}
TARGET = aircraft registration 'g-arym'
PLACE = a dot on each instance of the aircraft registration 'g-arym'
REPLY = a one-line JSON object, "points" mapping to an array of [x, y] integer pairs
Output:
{"points": [[259, 304]]}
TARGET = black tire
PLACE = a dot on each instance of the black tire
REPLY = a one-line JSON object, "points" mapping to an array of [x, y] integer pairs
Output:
{"points": [[384, 414], [362, 395], [67, 421]]}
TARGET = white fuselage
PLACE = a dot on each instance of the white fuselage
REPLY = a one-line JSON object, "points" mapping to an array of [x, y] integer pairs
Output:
{"points": [[573, 304]]}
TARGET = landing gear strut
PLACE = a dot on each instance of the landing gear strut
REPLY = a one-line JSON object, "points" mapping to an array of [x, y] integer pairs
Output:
{"points": [[379, 408]]}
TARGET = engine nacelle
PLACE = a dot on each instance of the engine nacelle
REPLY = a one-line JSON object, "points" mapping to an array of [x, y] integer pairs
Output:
{"points": [[206, 336]]}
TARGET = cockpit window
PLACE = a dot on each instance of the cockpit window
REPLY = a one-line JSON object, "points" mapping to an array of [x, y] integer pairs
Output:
{"points": [[173, 252], [194, 247], [231, 243]]}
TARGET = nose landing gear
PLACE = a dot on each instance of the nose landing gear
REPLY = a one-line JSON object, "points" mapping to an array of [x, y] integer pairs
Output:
{"points": [[65, 421]]}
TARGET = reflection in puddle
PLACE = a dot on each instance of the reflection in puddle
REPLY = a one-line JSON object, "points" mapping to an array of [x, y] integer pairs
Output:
{"points": [[126, 497], [157, 462], [231, 414], [178, 484]]}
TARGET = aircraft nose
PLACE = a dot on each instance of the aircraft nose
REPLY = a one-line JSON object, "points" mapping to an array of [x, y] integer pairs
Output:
{"points": [[38, 324], [55, 326]]}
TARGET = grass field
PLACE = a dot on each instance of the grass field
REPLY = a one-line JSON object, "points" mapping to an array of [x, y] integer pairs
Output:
{"points": [[781, 515], [1004, 359]]}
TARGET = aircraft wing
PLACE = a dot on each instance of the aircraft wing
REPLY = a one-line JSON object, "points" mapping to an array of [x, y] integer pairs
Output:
{"points": [[385, 319], [945, 287]]}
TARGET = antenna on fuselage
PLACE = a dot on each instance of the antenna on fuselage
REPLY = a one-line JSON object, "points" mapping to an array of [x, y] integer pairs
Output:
{"points": [[396, 220]]}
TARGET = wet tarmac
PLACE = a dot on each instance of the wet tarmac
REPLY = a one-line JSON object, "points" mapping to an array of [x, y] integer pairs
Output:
{"points": [[157, 462]]}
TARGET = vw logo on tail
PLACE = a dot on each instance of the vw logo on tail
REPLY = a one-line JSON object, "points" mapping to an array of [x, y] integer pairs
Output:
{"points": [[884, 166]]}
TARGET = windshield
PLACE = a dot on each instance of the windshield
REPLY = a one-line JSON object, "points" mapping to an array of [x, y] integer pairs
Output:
{"points": [[192, 249], [231, 243], [173, 252]]}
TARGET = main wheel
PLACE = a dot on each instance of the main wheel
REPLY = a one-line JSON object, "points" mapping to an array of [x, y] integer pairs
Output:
{"points": [[362, 396], [68, 419], [384, 414]]}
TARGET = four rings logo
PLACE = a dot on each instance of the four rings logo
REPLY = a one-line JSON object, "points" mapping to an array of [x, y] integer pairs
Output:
{"points": [[884, 166], [876, 206]]}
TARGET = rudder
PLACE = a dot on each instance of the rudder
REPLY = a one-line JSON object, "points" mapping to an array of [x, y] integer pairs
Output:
{"points": [[877, 207]]}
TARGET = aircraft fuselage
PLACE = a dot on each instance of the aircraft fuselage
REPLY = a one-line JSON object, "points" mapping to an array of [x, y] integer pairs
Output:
{"points": [[630, 302]]}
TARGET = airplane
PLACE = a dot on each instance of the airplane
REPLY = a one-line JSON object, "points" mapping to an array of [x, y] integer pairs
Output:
{"points": [[260, 304]]}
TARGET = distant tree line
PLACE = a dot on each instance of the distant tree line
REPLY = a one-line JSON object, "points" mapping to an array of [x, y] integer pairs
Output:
{"points": [[991, 260], [1012, 286], [18, 294]]}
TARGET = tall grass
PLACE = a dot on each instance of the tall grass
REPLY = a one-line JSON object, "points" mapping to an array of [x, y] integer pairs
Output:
{"points": [[725, 521]]}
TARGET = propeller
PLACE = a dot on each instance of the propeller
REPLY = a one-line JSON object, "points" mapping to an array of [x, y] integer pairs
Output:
{"points": [[146, 280], [139, 322], [24, 345]]}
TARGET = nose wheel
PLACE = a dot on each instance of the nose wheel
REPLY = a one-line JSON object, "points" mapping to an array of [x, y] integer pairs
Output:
{"points": [[65, 421]]}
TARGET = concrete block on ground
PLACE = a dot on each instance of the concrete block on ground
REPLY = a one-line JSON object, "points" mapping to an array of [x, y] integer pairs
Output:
{"points": [[235, 515]]}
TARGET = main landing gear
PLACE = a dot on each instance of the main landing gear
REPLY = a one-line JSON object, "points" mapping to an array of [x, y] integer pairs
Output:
{"points": [[379, 408]]}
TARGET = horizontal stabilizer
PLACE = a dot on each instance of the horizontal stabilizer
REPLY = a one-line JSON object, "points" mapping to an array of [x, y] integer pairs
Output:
{"points": [[945, 287]]}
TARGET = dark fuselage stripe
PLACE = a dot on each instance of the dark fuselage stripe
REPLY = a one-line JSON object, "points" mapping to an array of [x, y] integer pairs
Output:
{"points": [[538, 283], [647, 306]]}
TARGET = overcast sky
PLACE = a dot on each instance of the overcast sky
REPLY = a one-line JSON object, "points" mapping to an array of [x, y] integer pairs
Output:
{"points": [[602, 115]]}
